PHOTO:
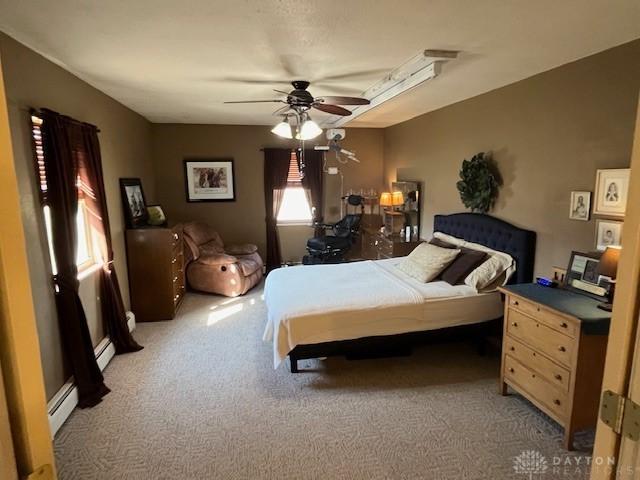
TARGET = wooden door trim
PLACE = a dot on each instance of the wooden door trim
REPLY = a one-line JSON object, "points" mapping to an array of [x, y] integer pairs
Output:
{"points": [[624, 322]]}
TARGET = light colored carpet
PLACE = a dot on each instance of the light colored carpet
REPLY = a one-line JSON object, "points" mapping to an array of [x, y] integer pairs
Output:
{"points": [[202, 401]]}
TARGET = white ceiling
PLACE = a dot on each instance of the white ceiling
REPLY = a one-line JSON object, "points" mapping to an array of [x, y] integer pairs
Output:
{"points": [[174, 61]]}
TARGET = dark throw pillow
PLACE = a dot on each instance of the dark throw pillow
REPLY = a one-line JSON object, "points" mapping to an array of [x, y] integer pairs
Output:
{"points": [[465, 263], [441, 243]]}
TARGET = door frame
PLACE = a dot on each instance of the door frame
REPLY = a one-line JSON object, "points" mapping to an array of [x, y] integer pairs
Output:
{"points": [[624, 321], [19, 345]]}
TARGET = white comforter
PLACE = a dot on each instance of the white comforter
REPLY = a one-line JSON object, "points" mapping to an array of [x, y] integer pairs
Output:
{"points": [[321, 303]]}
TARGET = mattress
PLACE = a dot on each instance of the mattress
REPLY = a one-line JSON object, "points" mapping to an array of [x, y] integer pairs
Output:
{"points": [[324, 303]]}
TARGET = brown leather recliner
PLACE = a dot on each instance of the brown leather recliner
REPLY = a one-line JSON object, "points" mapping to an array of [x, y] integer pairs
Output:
{"points": [[214, 268]]}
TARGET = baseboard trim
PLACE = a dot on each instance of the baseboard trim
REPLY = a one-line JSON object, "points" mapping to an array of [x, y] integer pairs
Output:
{"points": [[65, 401]]}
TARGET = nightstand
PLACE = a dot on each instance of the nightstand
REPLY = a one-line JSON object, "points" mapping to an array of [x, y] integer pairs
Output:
{"points": [[553, 353], [376, 245]]}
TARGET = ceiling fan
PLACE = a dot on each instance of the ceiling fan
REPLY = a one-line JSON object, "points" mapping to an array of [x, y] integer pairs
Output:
{"points": [[298, 102]]}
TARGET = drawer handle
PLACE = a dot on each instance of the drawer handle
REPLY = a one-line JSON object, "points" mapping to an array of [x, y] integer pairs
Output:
{"points": [[174, 260], [511, 370], [556, 401], [175, 236], [564, 325], [175, 279], [514, 324], [516, 303], [513, 349], [562, 349], [558, 376], [538, 309]]}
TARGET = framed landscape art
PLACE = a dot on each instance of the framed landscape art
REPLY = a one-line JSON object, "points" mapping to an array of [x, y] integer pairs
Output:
{"points": [[209, 180]]}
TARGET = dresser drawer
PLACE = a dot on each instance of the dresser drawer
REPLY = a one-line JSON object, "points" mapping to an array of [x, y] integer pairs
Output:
{"points": [[537, 335], [535, 387], [549, 318], [533, 360], [384, 246]]}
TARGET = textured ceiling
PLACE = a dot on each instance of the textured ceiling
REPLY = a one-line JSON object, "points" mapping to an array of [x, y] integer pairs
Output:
{"points": [[178, 61]]}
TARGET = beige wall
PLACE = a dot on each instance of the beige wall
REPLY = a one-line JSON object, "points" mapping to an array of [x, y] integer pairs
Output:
{"points": [[548, 134], [243, 220], [125, 138]]}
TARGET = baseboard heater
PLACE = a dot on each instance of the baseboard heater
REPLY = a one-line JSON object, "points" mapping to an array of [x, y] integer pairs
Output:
{"points": [[65, 401]]}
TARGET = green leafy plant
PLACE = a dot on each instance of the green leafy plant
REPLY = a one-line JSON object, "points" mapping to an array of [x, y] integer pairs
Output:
{"points": [[478, 184]]}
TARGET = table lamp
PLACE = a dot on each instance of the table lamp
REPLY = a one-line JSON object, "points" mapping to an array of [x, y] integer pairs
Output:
{"points": [[386, 199], [608, 267], [397, 199]]}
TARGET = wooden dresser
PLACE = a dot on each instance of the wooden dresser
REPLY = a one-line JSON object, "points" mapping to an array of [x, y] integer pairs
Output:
{"points": [[155, 257], [553, 353], [376, 245]]}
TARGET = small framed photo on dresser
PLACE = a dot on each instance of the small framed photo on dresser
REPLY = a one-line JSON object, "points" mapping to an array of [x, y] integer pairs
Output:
{"points": [[608, 234], [580, 206], [612, 186]]}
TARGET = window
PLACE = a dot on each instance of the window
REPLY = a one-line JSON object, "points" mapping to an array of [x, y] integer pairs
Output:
{"points": [[85, 258], [295, 208]]}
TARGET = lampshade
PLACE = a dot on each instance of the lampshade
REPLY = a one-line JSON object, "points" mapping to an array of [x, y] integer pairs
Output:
{"points": [[283, 129], [608, 264], [385, 199], [309, 130], [397, 199]]}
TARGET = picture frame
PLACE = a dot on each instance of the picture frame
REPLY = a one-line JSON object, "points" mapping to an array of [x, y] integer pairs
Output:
{"points": [[612, 186], [157, 217], [582, 276], [209, 180], [580, 205], [608, 234], [134, 203]]}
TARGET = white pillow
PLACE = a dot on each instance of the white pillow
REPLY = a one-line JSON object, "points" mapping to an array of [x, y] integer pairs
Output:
{"points": [[426, 261], [490, 274]]}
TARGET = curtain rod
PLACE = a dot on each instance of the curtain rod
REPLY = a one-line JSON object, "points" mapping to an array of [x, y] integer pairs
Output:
{"points": [[38, 111]]}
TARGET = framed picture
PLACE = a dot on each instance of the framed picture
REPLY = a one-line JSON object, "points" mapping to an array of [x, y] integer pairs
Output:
{"points": [[612, 186], [133, 202], [580, 206], [157, 218], [209, 180], [608, 233], [582, 275]]}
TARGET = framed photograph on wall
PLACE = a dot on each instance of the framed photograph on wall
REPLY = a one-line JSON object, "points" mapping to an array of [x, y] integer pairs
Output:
{"points": [[580, 206], [608, 234], [209, 180], [612, 186], [133, 202]]}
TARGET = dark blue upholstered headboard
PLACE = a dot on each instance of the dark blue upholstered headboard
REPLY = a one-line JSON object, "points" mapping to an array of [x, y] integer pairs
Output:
{"points": [[496, 234]]}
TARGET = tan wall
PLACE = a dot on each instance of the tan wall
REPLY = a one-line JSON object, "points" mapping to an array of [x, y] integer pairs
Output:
{"points": [[548, 134], [125, 138], [243, 220]]}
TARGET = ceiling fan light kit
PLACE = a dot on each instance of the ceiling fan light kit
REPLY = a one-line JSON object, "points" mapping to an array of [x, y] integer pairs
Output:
{"points": [[283, 129], [309, 129]]}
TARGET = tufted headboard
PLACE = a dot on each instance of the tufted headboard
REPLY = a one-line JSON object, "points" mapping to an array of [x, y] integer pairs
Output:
{"points": [[496, 234]]}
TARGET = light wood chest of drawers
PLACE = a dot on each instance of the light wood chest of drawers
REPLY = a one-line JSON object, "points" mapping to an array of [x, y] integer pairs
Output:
{"points": [[549, 359]]}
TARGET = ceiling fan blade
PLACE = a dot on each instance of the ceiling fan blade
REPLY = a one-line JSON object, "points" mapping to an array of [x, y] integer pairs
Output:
{"points": [[333, 109], [364, 74], [254, 81], [282, 110], [257, 101], [343, 100]]}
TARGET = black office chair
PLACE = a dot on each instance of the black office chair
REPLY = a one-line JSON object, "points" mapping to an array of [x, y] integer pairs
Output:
{"points": [[332, 248]]}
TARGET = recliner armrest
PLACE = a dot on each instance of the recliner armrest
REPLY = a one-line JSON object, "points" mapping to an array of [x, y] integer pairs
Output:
{"points": [[217, 259], [244, 249]]}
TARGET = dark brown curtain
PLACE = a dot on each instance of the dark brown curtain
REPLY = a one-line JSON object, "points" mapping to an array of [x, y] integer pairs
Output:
{"points": [[312, 182], [60, 136], [276, 169], [92, 182]]}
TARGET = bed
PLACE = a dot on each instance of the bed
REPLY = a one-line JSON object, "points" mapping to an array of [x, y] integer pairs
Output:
{"points": [[324, 310]]}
